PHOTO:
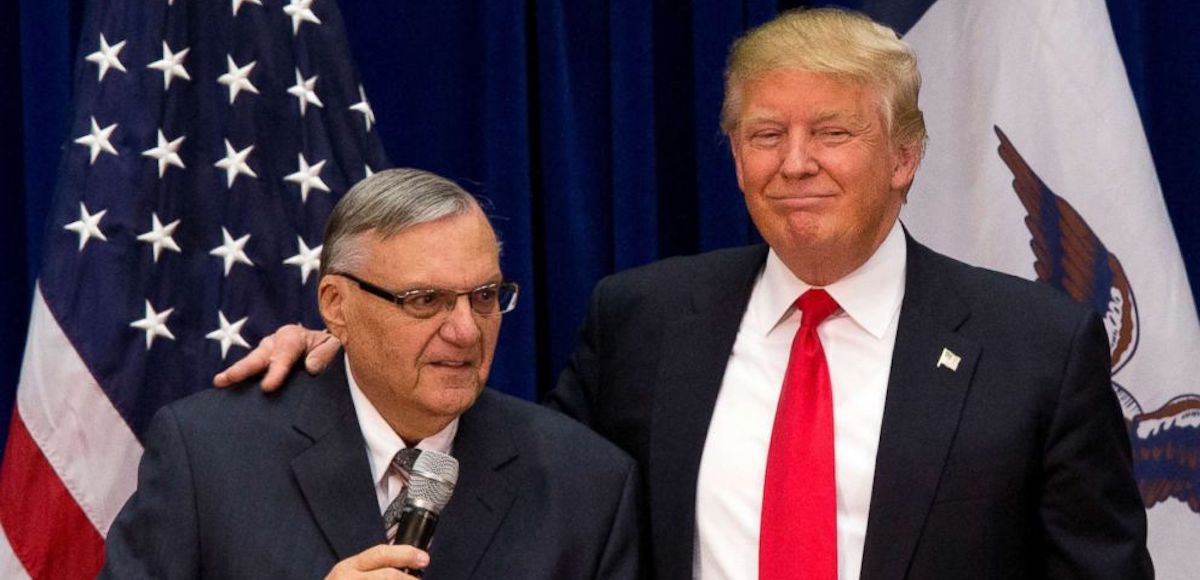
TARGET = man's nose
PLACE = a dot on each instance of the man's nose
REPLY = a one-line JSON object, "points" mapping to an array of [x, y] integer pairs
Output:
{"points": [[461, 326], [798, 160]]}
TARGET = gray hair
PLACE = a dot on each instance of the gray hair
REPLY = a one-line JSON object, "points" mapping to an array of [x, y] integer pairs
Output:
{"points": [[387, 203]]}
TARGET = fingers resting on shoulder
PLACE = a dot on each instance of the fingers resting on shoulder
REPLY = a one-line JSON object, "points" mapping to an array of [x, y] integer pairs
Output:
{"points": [[278, 353]]}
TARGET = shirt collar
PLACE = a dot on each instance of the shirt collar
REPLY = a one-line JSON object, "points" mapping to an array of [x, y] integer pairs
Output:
{"points": [[870, 295], [382, 441]]}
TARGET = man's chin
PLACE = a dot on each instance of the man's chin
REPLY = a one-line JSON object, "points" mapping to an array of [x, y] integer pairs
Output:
{"points": [[453, 395], [450, 410], [804, 234]]}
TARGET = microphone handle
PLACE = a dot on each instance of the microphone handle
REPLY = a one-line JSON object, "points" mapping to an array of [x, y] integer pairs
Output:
{"points": [[415, 528]]}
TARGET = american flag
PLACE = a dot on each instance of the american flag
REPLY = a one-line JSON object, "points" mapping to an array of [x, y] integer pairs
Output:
{"points": [[209, 141]]}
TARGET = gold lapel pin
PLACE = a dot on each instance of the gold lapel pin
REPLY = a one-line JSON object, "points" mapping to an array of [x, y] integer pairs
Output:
{"points": [[949, 360]]}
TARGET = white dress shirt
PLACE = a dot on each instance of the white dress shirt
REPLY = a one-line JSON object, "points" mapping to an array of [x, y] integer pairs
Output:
{"points": [[858, 343], [383, 443]]}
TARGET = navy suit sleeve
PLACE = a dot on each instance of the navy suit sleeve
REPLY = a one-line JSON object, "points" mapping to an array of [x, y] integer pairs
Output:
{"points": [[620, 558], [1094, 520], [155, 534]]}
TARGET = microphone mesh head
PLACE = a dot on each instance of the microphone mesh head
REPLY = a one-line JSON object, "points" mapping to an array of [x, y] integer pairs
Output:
{"points": [[432, 479]]}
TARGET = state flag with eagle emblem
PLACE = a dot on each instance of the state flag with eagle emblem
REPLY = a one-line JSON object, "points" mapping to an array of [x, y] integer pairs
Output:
{"points": [[208, 143], [1038, 165]]}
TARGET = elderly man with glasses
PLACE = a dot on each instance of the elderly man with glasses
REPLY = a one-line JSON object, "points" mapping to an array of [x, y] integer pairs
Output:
{"points": [[306, 482]]}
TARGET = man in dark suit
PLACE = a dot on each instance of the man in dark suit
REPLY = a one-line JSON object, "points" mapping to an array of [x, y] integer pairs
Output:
{"points": [[975, 432], [952, 423], [295, 485]]}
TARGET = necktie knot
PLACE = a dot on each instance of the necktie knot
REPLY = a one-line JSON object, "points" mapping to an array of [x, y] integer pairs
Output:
{"points": [[405, 458], [816, 305]]}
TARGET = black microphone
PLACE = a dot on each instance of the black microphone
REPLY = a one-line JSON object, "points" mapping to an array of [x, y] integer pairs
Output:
{"points": [[430, 483]]}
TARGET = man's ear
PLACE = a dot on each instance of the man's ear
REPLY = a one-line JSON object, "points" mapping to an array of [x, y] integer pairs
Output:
{"points": [[906, 158], [735, 153], [331, 300]]}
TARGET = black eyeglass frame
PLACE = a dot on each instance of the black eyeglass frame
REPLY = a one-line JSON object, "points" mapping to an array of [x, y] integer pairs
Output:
{"points": [[399, 299]]}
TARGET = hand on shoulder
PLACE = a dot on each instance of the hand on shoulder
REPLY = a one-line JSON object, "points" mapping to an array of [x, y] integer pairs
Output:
{"points": [[278, 353]]}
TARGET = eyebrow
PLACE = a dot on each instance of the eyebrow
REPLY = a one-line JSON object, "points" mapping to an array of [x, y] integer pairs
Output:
{"points": [[415, 286], [760, 117], [838, 115], [849, 117]]}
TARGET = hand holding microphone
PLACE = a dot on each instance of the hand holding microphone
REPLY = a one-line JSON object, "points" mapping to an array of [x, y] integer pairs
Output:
{"points": [[382, 558], [431, 477], [431, 480]]}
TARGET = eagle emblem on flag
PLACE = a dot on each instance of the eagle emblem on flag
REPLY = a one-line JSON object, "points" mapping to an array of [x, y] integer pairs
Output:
{"points": [[1070, 257]]}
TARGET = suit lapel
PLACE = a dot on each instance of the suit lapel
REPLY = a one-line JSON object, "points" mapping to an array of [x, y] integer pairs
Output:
{"points": [[483, 494], [694, 352], [333, 473], [921, 414]]}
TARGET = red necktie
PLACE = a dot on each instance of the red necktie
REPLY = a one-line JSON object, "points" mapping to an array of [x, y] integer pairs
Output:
{"points": [[798, 534]]}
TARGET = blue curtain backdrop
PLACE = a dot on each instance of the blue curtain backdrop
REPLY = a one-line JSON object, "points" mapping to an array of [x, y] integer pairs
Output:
{"points": [[591, 126]]}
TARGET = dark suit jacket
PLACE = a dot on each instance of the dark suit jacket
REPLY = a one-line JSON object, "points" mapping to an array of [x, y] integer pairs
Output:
{"points": [[235, 484], [1016, 465]]}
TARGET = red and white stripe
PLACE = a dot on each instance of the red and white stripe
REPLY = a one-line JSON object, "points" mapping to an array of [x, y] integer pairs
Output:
{"points": [[70, 462]]}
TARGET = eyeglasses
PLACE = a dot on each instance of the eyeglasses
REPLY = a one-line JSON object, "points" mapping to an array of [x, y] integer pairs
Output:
{"points": [[486, 300]]}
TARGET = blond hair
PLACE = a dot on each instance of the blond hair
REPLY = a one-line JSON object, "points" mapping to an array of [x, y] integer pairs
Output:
{"points": [[846, 45]]}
